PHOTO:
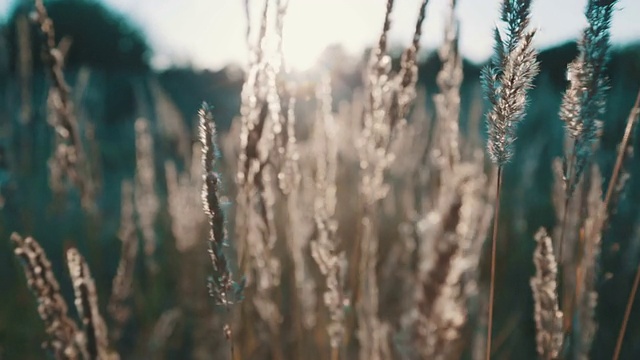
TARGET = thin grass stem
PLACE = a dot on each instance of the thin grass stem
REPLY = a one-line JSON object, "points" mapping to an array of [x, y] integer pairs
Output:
{"points": [[627, 313], [562, 226], [493, 262], [335, 353], [628, 131]]}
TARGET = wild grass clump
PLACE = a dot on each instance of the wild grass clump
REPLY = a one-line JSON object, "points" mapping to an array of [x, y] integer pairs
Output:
{"points": [[65, 339]]}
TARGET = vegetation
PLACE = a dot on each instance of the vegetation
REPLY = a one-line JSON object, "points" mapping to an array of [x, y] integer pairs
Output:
{"points": [[326, 215]]}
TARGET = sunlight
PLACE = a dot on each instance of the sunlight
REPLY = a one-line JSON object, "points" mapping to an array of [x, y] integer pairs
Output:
{"points": [[305, 37], [312, 26]]}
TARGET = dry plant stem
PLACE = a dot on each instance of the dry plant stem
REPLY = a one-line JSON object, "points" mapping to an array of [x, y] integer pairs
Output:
{"points": [[62, 332], [335, 352], [635, 112], [547, 315], [324, 248], [69, 156], [25, 66], [601, 217], [146, 200], [378, 129], [221, 285], [590, 196], [627, 313], [628, 131], [505, 333], [247, 16], [86, 301], [566, 305], [119, 308], [255, 222], [493, 263], [562, 226]]}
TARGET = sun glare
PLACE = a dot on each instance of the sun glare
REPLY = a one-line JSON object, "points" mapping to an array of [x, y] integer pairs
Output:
{"points": [[304, 36], [311, 26]]}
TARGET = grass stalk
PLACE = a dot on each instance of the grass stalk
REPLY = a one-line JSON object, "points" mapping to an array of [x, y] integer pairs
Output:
{"points": [[567, 302], [627, 313], [335, 353], [622, 150], [565, 212], [493, 262]]}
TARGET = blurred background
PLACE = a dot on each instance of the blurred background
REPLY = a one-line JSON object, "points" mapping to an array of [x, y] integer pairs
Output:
{"points": [[160, 59]]}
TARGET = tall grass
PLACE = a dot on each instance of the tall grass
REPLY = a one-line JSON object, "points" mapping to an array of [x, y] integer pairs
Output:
{"points": [[340, 229], [507, 79]]}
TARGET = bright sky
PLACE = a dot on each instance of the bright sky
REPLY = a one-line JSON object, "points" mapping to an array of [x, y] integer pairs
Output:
{"points": [[210, 33]]}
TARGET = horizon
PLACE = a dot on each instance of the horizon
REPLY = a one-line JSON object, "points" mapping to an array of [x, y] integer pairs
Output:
{"points": [[176, 33]]}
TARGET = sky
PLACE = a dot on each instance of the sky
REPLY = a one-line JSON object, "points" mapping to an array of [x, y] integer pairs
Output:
{"points": [[211, 33]]}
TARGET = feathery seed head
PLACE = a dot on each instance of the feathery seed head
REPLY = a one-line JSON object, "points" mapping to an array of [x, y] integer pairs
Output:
{"points": [[221, 286], [507, 79]]}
